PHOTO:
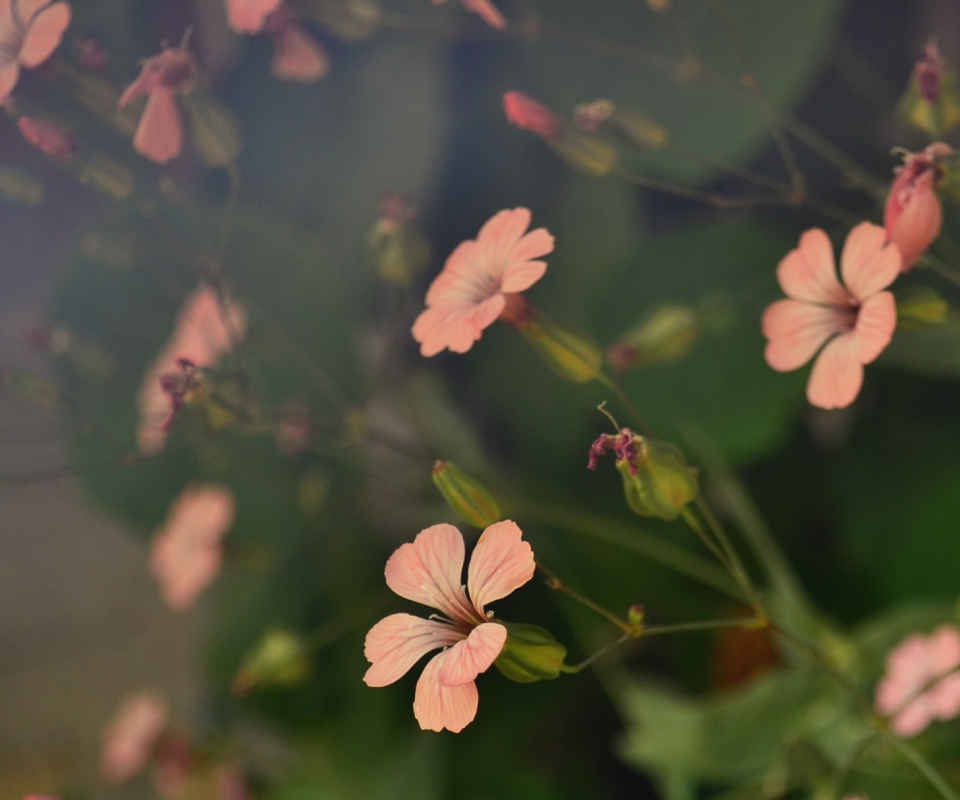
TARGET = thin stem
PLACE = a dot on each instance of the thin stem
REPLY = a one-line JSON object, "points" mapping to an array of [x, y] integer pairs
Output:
{"points": [[934, 264], [553, 582], [575, 668], [625, 401], [923, 766], [706, 625], [844, 771], [694, 524]]}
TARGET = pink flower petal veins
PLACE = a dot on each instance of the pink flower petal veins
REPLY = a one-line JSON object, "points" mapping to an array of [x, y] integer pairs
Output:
{"points": [[797, 330], [876, 323], [159, 135], [129, 739], [399, 641], [429, 571], [44, 32], [501, 563], [808, 273], [438, 707], [868, 264], [475, 654]]}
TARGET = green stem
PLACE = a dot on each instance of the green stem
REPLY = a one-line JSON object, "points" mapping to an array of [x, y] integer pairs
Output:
{"points": [[553, 582], [626, 402], [923, 766], [575, 668], [705, 625]]}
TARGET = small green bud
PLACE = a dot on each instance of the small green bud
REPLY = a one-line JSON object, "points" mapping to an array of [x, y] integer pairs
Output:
{"points": [[280, 659], [573, 356], [664, 336], [932, 100], [658, 483], [920, 307], [400, 251], [468, 499], [586, 152], [636, 616], [530, 654]]}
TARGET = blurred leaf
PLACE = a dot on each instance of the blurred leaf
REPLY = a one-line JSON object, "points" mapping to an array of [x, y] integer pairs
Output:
{"points": [[932, 351]]}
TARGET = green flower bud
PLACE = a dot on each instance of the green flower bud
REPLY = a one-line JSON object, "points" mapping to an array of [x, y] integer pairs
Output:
{"points": [[932, 100], [467, 499], [280, 659], [658, 483], [586, 152], [573, 356], [920, 307], [664, 336], [530, 654]]}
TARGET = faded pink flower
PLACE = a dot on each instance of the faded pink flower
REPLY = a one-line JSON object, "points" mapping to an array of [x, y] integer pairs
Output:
{"points": [[485, 9], [857, 317], [249, 16], [913, 214], [479, 278], [531, 115], [298, 56], [187, 551], [30, 30], [159, 136], [429, 571], [911, 666], [48, 138], [200, 337], [130, 738]]}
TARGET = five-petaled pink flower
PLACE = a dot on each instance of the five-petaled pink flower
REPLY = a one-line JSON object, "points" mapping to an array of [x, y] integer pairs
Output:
{"points": [[30, 30], [130, 738], [159, 136], [858, 317], [187, 550], [204, 331], [429, 571], [913, 214], [485, 9], [479, 279], [910, 690]]}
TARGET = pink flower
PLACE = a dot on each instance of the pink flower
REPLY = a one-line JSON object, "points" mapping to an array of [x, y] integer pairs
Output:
{"points": [[130, 738], [484, 9], [429, 571], [911, 666], [249, 16], [200, 337], [531, 115], [187, 550], [159, 136], [478, 279], [857, 317], [48, 138], [30, 30], [298, 56], [913, 214]]}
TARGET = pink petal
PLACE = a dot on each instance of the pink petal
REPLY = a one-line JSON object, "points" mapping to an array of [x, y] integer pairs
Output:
{"points": [[468, 658], [837, 374], [44, 34], [159, 135], [429, 570], [808, 272], [796, 331], [399, 641], [248, 16], [437, 706], [9, 73], [299, 57], [504, 229], [501, 562], [487, 12], [868, 264], [913, 719], [945, 698], [455, 327], [876, 322], [131, 735], [462, 277]]}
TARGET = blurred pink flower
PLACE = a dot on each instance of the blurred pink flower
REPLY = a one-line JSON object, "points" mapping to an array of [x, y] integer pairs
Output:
{"points": [[173, 758], [913, 214], [485, 9], [249, 16], [298, 56], [159, 135], [857, 317], [200, 337], [129, 739], [429, 571], [478, 279], [187, 550], [911, 666], [531, 115], [231, 783], [30, 30], [48, 138]]}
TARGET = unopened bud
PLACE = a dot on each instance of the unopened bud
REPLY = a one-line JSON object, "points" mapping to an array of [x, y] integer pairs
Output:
{"points": [[280, 659], [532, 115], [400, 251], [586, 152], [530, 654], [573, 356], [664, 336], [932, 100], [920, 307], [636, 616], [214, 129], [468, 499]]}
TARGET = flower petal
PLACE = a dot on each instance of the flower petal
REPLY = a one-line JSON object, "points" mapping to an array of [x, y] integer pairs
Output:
{"points": [[43, 34], [808, 272], [468, 658], [398, 642], [876, 322], [248, 16], [868, 264], [9, 73], [159, 135], [429, 570], [299, 57], [913, 719], [837, 374], [796, 331], [487, 11], [437, 706], [501, 562]]}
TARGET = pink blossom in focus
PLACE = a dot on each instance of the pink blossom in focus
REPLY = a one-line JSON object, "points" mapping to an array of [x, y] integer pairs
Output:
{"points": [[30, 30], [429, 571], [129, 739], [531, 115], [485, 9], [200, 337], [159, 136], [857, 317], [298, 56], [913, 213], [478, 279], [249, 16], [187, 552], [911, 666], [48, 138]]}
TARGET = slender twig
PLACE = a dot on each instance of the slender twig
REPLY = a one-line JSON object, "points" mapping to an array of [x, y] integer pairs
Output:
{"points": [[923, 766], [553, 582]]}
